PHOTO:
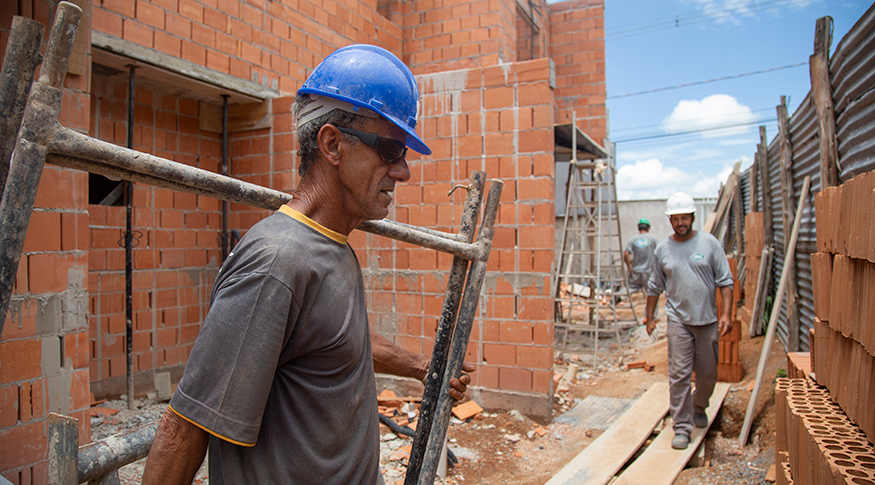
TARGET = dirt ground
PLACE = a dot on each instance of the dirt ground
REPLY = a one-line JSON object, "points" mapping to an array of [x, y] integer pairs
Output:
{"points": [[506, 447]]}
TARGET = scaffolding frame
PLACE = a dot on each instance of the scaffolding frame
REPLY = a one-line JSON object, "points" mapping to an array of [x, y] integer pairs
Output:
{"points": [[588, 276]]}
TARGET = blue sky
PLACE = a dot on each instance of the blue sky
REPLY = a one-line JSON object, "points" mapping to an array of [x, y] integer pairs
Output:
{"points": [[653, 44]]}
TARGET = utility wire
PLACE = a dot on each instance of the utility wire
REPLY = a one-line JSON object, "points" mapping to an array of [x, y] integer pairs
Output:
{"points": [[697, 120], [677, 21], [701, 130], [696, 83]]}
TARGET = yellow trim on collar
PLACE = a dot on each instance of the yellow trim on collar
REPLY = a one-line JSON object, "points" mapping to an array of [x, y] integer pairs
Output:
{"points": [[310, 222], [217, 435]]}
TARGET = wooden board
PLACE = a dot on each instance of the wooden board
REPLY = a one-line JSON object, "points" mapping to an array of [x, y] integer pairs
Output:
{"points": [[599, 461], [660, 464]]}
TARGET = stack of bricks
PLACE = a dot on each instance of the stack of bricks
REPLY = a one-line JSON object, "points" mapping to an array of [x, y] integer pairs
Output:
{"points": [[729, 367], [815, 440], [753, 253], [843, 275]]}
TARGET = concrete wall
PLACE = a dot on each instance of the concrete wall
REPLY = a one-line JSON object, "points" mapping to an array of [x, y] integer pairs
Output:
{"points": [[631, 211]]}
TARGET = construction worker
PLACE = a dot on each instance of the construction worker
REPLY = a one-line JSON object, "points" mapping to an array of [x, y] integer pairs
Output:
{"points": [[689, 267], [280, 383], [638, 257]]}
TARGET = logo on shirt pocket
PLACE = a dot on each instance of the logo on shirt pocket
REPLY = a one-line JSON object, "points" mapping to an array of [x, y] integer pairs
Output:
{"points": [[697, 257]]}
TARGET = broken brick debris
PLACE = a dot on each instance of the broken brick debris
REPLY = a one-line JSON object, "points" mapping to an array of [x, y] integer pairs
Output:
{"points": [[466, 410]]}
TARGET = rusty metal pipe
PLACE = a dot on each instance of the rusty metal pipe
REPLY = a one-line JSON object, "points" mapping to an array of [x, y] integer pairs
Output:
{"points": [[105, 456], [29, 155], [16, 77], [119, 162], [461, 336], [445, 329]]}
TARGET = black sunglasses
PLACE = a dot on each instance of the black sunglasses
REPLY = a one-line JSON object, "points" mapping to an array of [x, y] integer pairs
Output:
{"points": [[390, 150]]}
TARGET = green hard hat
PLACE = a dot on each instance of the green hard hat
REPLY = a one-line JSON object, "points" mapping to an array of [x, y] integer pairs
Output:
{"points": [[644, 221]]}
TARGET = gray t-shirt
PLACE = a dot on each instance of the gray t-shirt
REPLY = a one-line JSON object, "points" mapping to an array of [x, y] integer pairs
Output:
{"points": [[642, 247], [281, 374], [689, 273]]}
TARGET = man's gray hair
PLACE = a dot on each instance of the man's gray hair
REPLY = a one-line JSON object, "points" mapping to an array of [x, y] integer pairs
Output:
{"points": [[307, 147]]}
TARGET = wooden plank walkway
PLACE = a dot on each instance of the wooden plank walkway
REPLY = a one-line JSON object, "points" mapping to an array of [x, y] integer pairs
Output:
{"points": [[599, 461], [660, 464]]}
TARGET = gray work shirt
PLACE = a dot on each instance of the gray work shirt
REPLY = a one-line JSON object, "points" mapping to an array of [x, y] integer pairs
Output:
{"points": [[281, 374], [689, 273], [641, 247]]}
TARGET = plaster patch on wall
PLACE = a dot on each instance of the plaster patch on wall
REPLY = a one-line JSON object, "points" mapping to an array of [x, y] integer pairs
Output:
{"points": [[49, 315], [59, 389], [75, 301], [50, 355], [442, 82]]}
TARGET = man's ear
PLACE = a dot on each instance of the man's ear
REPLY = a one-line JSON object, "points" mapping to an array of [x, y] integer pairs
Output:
{"points": [[328, 140]]}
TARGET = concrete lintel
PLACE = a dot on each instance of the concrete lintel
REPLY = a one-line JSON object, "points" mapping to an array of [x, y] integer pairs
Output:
{"points": [[240, 90]]}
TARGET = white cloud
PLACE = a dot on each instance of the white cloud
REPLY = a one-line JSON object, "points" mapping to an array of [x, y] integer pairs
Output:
{"points": [[651, 179], [712, 112], [736, 11]]}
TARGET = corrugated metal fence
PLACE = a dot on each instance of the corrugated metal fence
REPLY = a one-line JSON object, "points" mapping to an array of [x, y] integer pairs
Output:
{"points": [[852, 77]]}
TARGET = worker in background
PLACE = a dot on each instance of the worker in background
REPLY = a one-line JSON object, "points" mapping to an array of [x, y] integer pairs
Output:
{"points": [[689, 266], [638, 256], [280, 383]]}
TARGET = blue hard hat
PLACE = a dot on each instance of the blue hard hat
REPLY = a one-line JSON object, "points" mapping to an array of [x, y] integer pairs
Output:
{"points": [[370, 77]]}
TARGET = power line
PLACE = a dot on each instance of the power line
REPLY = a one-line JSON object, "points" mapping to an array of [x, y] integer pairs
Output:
{"points": [[701, 130], [697, 83], [713, 15], [704, 119]]}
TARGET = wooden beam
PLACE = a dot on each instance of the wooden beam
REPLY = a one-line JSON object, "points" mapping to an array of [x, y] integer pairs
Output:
{"points": [[773, 321], [753, 182], [724, 202], [738, 213], [605, 456], [241, 117], [821, 94], [787, 204], [660, 464], [764, 280], [766, 187]]}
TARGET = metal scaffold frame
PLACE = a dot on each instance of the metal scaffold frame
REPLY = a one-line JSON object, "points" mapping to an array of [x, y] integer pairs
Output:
{"points": [[588, 276]]}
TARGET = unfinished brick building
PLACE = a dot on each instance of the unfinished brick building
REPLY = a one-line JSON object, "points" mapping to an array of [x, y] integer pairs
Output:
{"points": [[498, 79]]}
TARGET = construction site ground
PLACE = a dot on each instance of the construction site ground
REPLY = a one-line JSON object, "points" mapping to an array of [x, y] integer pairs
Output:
{"points": [[507, 447]]}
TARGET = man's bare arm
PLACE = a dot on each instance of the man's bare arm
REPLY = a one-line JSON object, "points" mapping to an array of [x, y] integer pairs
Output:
{"points": [[649, 321], [177, 451], [725, 319], [392, 359]]}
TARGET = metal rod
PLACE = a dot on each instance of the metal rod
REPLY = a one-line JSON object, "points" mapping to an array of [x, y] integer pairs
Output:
{"points": [[129, 251], [16, 77], [462, 334], [102, 457], [224, 235], [445, 329], [28, 157], [74, 150]]}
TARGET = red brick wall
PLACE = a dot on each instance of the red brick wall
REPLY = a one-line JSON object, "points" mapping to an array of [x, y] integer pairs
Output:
{"points": [[498, 120], [577, 45], [44, 345], [280, 41], [482, 110]]}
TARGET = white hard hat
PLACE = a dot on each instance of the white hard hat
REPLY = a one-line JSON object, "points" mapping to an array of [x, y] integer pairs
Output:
{"points": [[680, 203]]}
